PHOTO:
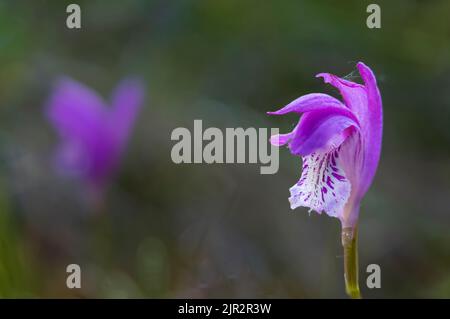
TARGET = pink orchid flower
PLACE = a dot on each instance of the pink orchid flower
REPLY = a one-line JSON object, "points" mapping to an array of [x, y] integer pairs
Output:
{"points": [[340, 144], [93, 135]]}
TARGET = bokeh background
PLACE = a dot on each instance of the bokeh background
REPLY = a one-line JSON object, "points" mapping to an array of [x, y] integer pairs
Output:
{"points": [[221, 230]]}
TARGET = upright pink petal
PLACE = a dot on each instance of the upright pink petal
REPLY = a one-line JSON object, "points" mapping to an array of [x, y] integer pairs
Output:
{"points": [[373, 126], [353, 94], [365, 102]]}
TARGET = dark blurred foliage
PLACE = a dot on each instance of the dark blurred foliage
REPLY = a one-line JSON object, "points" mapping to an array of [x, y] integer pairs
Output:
{"points": [[170, 230]]}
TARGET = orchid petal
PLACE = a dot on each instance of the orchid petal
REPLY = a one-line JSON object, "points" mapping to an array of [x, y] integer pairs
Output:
{"points": [[365, 103], [373, 126], [323, 129], [281, 139], [354, 94], [310, 102]]}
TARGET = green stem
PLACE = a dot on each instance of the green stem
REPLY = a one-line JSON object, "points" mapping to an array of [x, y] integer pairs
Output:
{"points": [[350, 244]]}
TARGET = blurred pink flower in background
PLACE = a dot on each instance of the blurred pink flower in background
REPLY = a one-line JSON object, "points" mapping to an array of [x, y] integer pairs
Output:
{"points": [[93, 135]]}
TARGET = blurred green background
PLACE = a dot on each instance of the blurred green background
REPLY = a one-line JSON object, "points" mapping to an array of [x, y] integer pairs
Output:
{"points": [[221, 230]]}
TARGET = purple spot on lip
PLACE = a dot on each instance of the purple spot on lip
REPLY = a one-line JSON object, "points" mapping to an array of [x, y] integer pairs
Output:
{"points": [[330, 182], [300, 182], [339, 177]]}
